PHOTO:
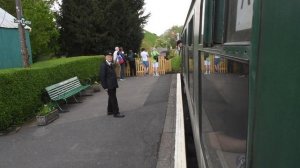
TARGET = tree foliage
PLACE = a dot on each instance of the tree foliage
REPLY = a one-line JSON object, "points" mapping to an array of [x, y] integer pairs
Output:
{"points": [[170, 36], [91, 27], [9, 6], [162, 43], [44, 33], [149, 40]]}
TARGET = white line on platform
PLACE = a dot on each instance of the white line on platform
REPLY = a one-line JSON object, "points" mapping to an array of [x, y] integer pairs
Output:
{"points": [[180, 155]]}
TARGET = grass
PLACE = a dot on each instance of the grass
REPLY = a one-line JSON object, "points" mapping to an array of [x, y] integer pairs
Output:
{"points": [[149, 40]]}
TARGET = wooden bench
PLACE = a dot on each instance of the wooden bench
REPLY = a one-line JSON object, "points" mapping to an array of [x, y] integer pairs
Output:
{"points": [[64, 90]]}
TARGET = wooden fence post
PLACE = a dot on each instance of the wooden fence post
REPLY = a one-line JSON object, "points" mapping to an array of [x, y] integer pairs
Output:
{"points": [[163, 67]]}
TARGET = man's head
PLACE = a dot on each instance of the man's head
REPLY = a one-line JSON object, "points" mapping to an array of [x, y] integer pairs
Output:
{"points": [[117, 49], [108, 56], [179, 43]]}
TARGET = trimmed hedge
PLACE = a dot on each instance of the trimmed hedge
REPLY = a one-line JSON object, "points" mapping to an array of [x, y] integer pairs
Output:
{"points": [[22, 89]]}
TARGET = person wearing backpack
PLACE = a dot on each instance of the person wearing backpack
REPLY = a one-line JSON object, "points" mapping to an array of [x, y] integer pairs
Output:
{"points": [[122, 62], [154, 54]]}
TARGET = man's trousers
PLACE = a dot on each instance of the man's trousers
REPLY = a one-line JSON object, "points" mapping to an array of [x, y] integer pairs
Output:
{"points": [[112, 106]]}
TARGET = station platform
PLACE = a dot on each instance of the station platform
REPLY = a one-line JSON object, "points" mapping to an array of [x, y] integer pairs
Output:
{"points": [[86, 137]]}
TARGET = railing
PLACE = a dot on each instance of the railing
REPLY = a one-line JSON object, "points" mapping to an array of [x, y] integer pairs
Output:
{"points": [[225, 66], [222, 65], [163, 68]]}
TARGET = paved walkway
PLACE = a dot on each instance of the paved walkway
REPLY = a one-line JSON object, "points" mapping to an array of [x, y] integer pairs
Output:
{"points": [[86, 137]]}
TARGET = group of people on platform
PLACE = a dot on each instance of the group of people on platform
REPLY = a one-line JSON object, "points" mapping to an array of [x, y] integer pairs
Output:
{"points": [[115, 64], [154, 58], [120, 59]]}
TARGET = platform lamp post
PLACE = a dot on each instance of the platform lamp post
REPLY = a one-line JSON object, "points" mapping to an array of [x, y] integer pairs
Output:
{"points": [[21, 26]]}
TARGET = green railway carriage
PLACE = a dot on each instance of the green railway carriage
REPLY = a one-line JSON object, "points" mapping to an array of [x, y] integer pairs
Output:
{"points": [[241, 76]]}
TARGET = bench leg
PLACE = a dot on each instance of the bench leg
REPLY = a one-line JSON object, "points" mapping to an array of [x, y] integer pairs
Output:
{"points": [[60, 109], [76, 100]]}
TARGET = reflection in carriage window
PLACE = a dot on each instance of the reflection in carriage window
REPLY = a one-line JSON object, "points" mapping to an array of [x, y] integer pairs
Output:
{"points": [[224, 111], [217, 64], [191, 74]]}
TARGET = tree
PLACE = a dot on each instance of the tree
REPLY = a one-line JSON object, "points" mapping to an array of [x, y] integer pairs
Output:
{"points": [[91, 27], [135, 22], [78, 24], [9, 6], [149, 40], [160, 42], [170, 35], [44, 33]]}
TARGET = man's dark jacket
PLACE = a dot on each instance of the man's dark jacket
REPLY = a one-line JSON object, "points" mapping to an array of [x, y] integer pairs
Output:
{"points": [[108, 76]]}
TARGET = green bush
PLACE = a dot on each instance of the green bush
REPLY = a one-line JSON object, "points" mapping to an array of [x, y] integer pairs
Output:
{"points": [[176, 63], [22, 89], [171, 54]]}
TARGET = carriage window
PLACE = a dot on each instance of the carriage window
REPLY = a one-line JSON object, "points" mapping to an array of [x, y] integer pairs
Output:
{"points": [[218, 21], [185, 60], [190, 32], [239, 20], [184, 37], [202, 10], [191, 72], [224, 111]]}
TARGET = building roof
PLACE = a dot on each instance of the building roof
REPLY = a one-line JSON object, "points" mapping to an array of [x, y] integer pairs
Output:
{"points": [[7, 20]]}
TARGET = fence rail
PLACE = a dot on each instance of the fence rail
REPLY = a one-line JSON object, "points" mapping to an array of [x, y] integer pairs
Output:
{"points": [[225, 66], [163, 68], [222, 65]]}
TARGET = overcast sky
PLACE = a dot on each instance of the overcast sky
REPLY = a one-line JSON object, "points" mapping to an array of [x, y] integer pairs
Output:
{"points": [[165, 14]]}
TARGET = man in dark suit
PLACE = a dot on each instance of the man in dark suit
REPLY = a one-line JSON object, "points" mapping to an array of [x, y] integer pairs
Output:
{"points": [[109, 82]]}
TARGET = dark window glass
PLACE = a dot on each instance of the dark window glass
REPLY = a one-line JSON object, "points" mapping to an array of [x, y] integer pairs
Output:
{"points": [[184, 37], [239, 20], [186, 61], [191, 32], [224, 111], [191, 72], [218, 21], [202, 10]]}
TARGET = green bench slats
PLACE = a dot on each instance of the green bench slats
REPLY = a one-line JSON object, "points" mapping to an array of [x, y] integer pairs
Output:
{"points": [[65, 89], [71, 93]]}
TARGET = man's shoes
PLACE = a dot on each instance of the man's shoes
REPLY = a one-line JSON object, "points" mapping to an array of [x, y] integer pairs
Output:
{"points": [[118, 115], [110, 113]]}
